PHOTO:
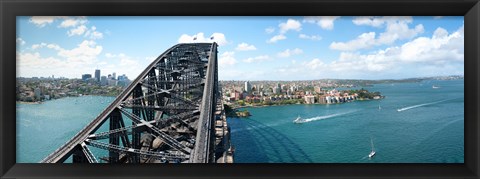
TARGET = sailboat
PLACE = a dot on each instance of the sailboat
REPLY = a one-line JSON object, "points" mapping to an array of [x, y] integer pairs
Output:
{"points": [[372, 153]]}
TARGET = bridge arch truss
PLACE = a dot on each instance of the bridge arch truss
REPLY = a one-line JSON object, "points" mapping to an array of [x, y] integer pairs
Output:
{"points": [[165, 115]]}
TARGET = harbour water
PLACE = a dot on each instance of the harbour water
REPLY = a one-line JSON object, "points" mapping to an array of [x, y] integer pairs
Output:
{"points": [[415, 123], [428, 128], [42, 128]]}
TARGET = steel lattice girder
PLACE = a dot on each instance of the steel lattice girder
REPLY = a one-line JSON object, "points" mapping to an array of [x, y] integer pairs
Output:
{"points": [[179, 69]]}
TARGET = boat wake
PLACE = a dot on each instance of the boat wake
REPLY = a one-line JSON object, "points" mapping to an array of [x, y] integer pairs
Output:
{"points": [[420, 105], [325, 117]]}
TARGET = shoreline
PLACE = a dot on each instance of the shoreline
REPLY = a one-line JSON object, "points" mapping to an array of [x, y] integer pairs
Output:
{"points": [[261, 106], [40, 102], [25, 102]]}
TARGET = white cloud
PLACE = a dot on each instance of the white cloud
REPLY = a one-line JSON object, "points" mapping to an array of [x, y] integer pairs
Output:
{"points": [[53, 46], [85, 53], [78, 27], [35, 46], [80, 30], [256, 59], [270, 30], [440, 48], [33, 64], [291, 24], [123, 63], [276, 38], [396, 28], [227, 59], [219, 38], [288, 53], [41, 21], [365, 40], [73, 22], [325, 22], [369, 21], [245, 47], [93, 33], [109, 55], [312, 37], [440, 54], [20, 41]]}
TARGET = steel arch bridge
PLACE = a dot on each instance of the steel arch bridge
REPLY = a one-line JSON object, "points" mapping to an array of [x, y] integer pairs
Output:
{"points": [[170, 113]]}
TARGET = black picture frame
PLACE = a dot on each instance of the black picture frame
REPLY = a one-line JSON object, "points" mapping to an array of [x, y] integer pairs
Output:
{"points": [[9, 9]]}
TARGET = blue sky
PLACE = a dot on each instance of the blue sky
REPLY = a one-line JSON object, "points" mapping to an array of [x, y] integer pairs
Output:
{"points": [[251, 48]]}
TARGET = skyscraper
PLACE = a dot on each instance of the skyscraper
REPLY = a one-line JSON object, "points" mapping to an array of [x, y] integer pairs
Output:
{"points": [[248, 86], [97, 75]]}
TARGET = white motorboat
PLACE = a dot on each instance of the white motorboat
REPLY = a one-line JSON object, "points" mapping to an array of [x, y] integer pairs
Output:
{"points": [[372, 153], [298, 120]]}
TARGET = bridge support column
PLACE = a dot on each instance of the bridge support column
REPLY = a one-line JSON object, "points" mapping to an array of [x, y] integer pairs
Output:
{"points": [[78, 156], [150, 113], [115, 118], [136, 133]]}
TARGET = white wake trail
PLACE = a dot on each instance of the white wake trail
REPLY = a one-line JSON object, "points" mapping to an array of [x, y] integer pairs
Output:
{"points": [[325, 117], [420, 105]]}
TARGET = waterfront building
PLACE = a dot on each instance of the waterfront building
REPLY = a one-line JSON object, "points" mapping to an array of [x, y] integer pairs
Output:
{"points": [[328, 99], [97, 75], [85, 77], [309, 99]]}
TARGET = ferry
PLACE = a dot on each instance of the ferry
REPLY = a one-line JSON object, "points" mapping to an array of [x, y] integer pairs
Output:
{"points": [[298, 120]]}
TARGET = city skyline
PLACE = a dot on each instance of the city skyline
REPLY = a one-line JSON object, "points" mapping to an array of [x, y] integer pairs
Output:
{"points": [[267, 48]]}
